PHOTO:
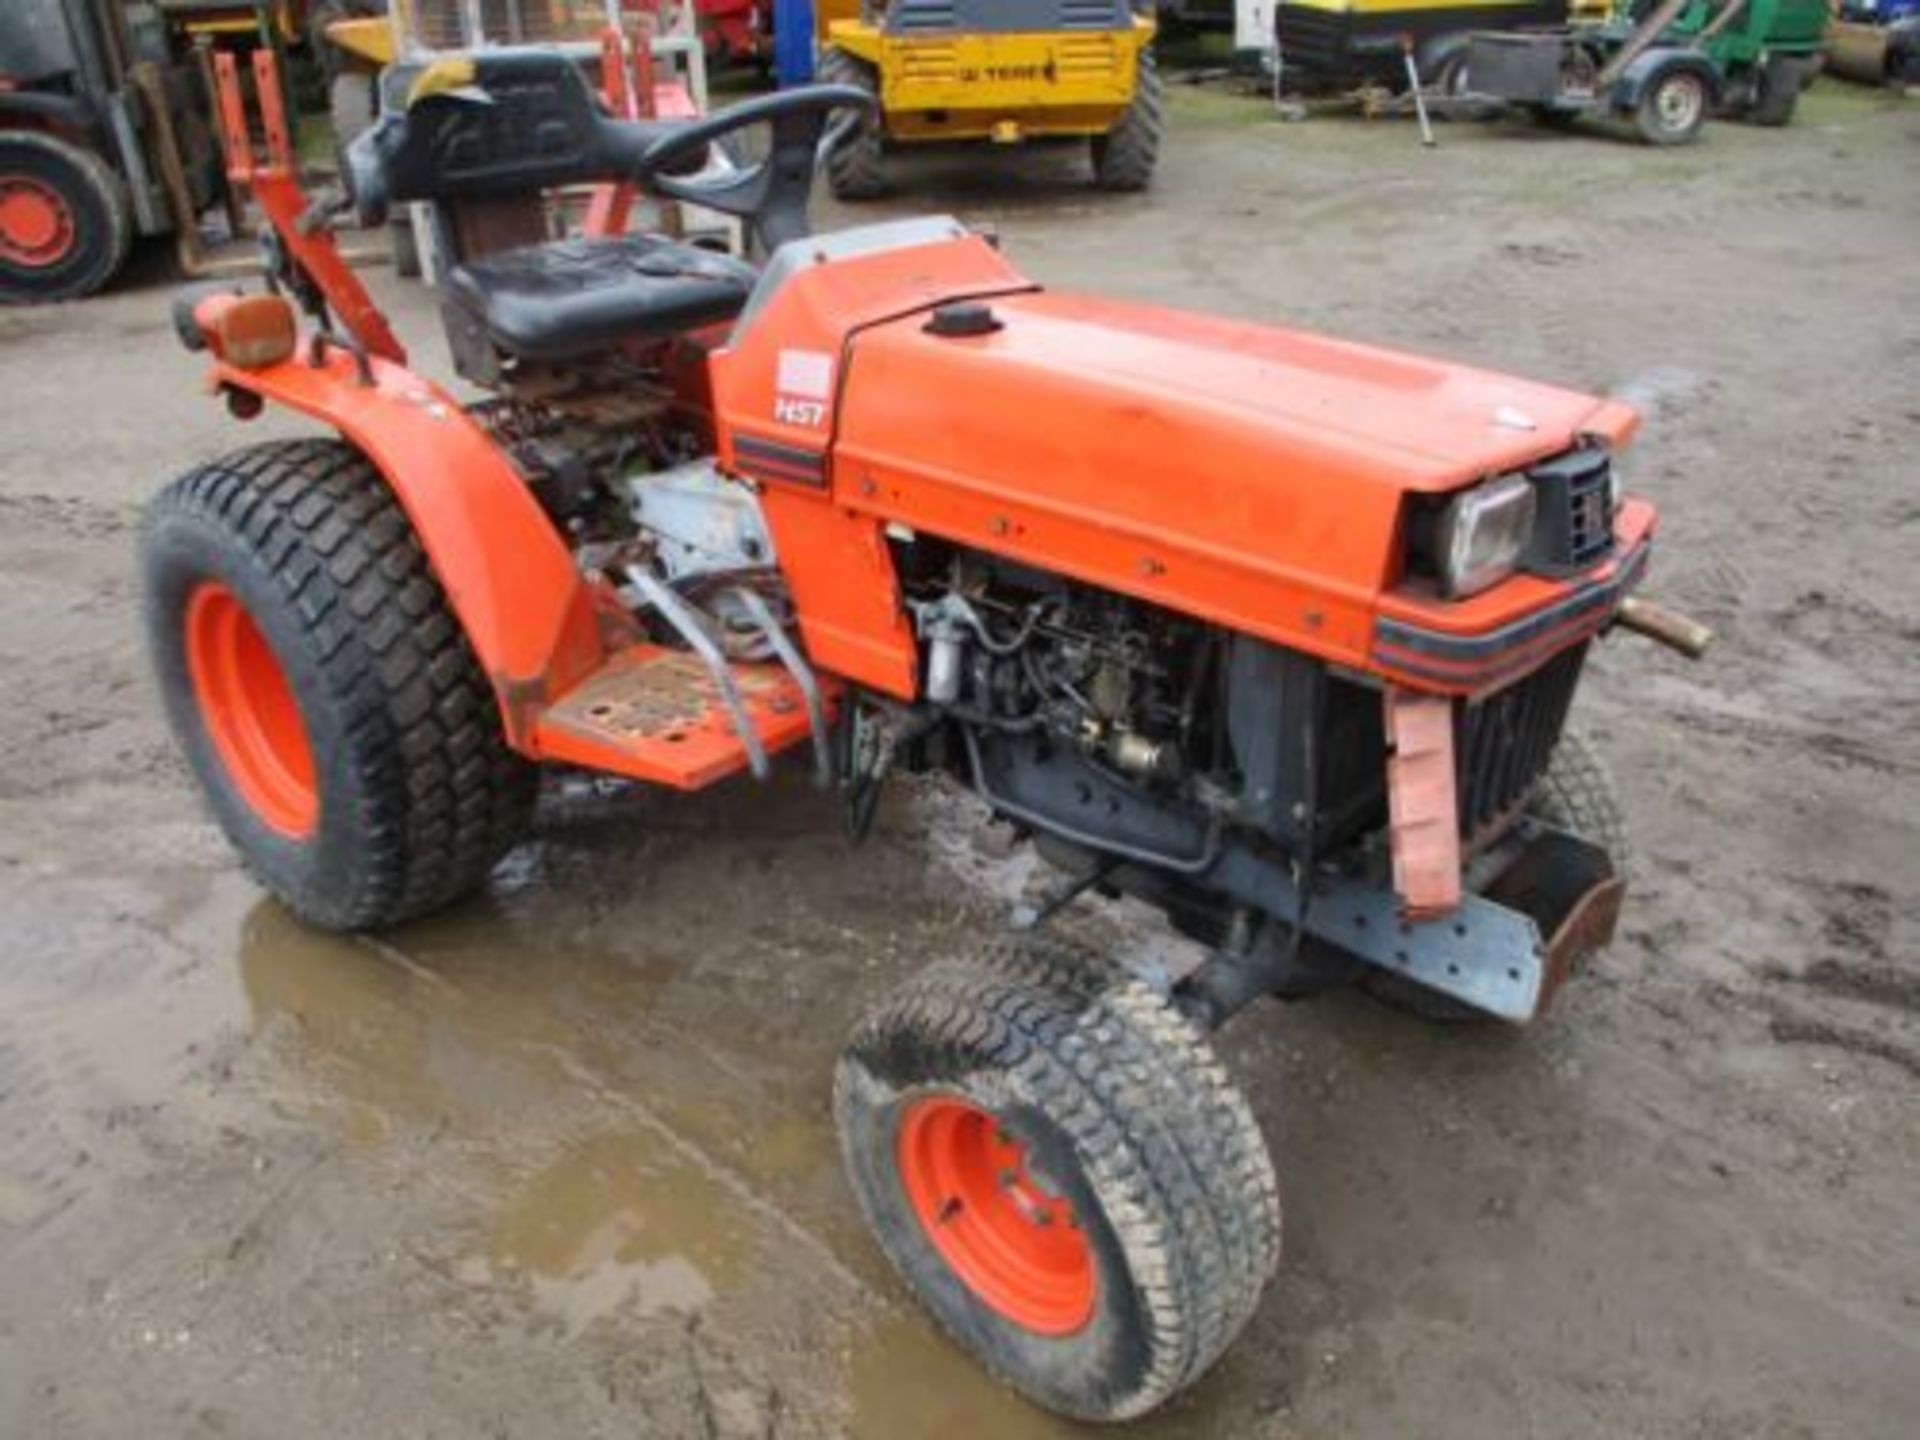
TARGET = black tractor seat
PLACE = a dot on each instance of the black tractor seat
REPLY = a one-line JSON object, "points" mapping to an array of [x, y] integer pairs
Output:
{"points": [[569, 298]]}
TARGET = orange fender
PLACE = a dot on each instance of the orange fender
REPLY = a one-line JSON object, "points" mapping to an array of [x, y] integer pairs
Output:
{"points": [[527, 611]]}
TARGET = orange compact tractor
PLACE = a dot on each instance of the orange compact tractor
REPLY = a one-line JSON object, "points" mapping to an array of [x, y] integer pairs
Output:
{"points": [[1275, 632]]}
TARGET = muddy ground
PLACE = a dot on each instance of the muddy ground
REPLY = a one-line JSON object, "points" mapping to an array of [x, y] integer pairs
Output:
{"points": [[559, 1163]]}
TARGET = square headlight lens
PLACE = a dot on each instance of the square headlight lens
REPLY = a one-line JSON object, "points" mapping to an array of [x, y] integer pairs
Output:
{"points": [[1482, 533]]}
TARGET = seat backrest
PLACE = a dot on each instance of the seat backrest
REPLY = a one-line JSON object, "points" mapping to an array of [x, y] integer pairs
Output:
{"points": [[481, 137], [480, 126]]}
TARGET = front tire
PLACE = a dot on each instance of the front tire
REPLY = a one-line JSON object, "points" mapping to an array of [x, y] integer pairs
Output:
{"points": [[343, 733], [1124, 157], [1063, 1173], [66, 224]]}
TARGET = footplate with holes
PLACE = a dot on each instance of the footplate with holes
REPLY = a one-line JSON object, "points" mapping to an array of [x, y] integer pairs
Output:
{"points": [[655, 714], [1505, 950]]}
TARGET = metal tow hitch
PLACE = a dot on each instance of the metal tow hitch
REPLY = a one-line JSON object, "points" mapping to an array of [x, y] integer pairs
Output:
{"points": [[1669, 627]]}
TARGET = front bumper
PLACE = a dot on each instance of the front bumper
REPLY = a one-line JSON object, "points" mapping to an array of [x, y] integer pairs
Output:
{"points": [[1543, 900]]}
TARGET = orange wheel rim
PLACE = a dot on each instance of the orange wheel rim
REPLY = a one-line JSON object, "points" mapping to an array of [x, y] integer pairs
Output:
{"points": [[1016, 1246], [36, 226], [249, 712]]}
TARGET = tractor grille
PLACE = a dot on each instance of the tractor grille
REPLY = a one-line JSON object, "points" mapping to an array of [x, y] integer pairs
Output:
{"points": [[1502, 743], [1311, 39], [1574, 528], [1589, 526]]}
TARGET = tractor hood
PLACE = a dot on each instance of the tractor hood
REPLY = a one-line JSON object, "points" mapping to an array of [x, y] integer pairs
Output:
{"points": [[1228, 469]]}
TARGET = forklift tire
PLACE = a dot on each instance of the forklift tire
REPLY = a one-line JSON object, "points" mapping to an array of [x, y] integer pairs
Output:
{"points": [[66, 224], [346, 738], [1673, 107], [1576, 794], [856, 167], [1060, 1168], [1776, 90], [1124, 157]]}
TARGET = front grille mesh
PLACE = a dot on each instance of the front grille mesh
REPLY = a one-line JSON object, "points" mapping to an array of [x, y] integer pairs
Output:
{"points": [[1589, 527], [1503, 741]]}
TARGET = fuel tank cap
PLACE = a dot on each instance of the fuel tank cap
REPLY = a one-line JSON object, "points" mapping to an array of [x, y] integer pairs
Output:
{"points": [[964, 317]]}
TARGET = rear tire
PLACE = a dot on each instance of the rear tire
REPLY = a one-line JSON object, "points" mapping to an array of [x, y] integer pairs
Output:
{"points": [[343, 732], [1777, 89], [856, 167], [1033, 1102], [66, 224], [1124, 157]]}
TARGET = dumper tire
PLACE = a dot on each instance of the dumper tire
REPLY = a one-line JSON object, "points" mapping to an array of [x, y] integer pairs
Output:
{"points": [[1776, 90], [69, 225], [1033, 1101], [1124, 157], [343, 732], [856, 165], [1576, 794]]}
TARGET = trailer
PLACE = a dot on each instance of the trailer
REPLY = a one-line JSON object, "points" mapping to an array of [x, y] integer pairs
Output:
{"points": [[1665, 67]]}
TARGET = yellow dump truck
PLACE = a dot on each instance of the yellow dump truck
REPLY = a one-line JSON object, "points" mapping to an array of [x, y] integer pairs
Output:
{"points": [[997, 70]]}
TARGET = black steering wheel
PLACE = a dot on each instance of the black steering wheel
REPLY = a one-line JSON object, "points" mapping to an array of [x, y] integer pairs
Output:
{"points": [[771, 194]]}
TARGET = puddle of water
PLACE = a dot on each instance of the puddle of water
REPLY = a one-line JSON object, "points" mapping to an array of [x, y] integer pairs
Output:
{"points": [[618, 1224], [587, 1151]]}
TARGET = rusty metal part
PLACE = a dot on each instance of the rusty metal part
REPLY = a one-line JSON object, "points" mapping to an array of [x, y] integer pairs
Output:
{"points": [[1671, 628], [1572, 893], [1422, 802], [275, 183]]}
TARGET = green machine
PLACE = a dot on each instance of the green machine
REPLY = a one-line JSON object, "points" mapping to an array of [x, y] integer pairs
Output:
{"points": [[1665, 65]]}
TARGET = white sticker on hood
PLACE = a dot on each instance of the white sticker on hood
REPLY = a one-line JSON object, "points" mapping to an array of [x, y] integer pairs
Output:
{"points": [[805, 373]]}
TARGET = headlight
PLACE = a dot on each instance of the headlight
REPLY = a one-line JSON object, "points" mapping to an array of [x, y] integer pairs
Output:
{"points": [[1481, 534]]}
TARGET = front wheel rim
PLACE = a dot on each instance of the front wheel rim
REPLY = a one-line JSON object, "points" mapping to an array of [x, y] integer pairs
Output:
{"points": [[1679, 103], [249, 712], [1017, 1246]]}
